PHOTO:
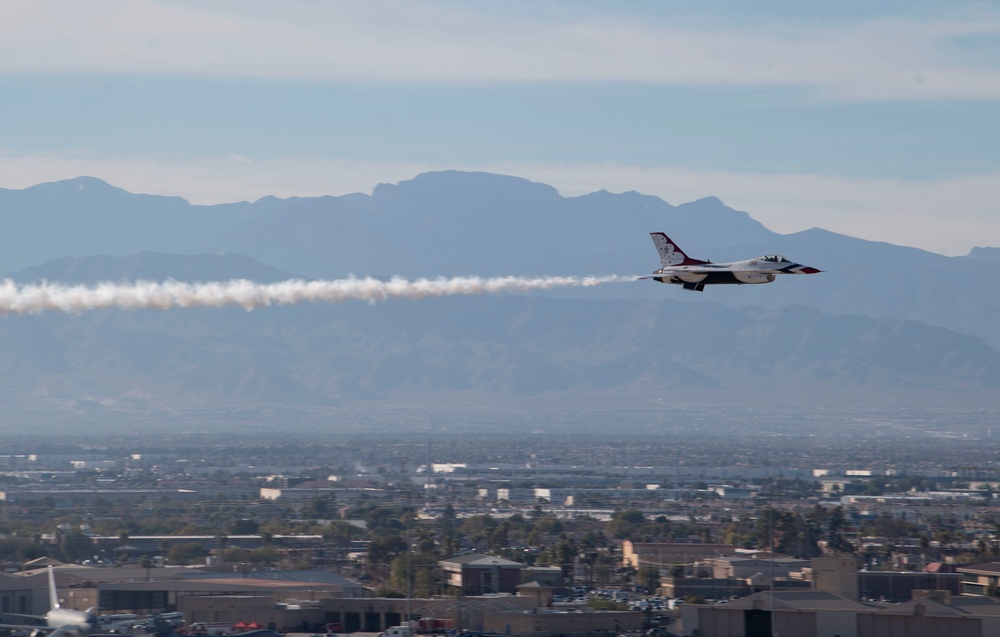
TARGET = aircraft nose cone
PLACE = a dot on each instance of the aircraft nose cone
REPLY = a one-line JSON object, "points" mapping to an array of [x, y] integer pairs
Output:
{"points": [[809, 270]]}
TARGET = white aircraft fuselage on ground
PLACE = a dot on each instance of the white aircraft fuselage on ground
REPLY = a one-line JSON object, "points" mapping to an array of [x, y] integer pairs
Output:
{"points": [[693, 274], [62, 622]]}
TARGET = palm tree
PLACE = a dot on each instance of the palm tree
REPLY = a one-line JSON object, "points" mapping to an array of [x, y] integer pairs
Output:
{"points": [[223, 541], [122, 547]]}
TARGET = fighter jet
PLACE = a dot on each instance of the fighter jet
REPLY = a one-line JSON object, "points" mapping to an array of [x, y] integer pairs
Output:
{"points": [[680, 269]]}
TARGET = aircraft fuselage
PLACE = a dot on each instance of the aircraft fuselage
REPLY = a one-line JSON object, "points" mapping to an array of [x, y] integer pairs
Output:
{"points": [[693, 274]]}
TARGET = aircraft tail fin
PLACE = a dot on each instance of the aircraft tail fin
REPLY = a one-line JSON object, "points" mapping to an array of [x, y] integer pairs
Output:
{"points": [[53, 595], [670, 254]]}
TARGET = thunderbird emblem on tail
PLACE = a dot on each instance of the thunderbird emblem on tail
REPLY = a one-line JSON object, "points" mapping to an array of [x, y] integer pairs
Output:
{"points": [[680, 269]]}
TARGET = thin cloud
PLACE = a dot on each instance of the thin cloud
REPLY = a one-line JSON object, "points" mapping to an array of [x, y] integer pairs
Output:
{"points": [[391, 40], [947, 216]]}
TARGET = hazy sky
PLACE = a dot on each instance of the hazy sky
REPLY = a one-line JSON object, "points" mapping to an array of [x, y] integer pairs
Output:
{"points": [[876, 119]]}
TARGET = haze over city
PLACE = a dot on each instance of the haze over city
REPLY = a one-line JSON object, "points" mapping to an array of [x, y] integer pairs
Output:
{"points": [[345, 317]]}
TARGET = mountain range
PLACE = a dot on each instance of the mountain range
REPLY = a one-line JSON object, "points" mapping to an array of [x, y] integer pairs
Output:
{"points": [[453, 223], [882, 323]]}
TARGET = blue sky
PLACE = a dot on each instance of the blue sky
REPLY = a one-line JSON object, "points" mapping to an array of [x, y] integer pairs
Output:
{"points": [[879, 120]]}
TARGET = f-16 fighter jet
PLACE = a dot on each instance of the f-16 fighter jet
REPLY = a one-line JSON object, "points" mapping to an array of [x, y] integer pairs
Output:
{"points": [[680, 269]]}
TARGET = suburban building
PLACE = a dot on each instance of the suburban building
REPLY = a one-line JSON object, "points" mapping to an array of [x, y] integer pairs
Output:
{"points": [[666, 554], [747, 566], [980, 579], [898, 586], [145, 597], [20, 596], [545, 575], [478, 574], [544, 622], [823, 614]]}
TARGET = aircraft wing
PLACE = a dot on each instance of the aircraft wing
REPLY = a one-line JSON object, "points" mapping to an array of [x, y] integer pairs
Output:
{"points": [[27, 627], [695, 269], [53, 631], [40, 618]]}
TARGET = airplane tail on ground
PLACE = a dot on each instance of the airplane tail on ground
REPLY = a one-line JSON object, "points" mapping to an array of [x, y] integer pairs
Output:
{"points": [[53, 595], [59, 621], [670, 254]]}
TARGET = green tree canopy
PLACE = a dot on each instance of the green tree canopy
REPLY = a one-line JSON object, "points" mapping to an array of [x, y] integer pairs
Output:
{"points": [[186, 553]]}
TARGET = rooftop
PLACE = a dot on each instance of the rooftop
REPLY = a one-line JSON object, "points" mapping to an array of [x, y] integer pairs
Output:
{"points": [[480, 560]]}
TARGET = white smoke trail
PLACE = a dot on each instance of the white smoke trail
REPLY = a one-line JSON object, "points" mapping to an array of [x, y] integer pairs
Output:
{"points": [[73, 299]]}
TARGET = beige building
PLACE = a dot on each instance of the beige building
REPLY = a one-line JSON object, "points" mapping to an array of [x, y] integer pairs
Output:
{"points": [[798, 613], [284, 615], [832, 609], [836, 575], [980, 579], [170, 595], [743, 567], [823, 614], [507, 614], [542, 622], [361, 614], [76, 585], [666, 554]]}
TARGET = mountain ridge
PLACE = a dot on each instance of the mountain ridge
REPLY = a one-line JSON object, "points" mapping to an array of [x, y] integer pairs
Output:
{"points": [[452, 223]]}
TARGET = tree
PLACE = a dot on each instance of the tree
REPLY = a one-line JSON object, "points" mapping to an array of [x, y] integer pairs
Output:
{"points": [[604, 604], [383, 549], [123, 557], [244, 526], [385, 519], [17, 550], [499, 538], [424, 541], [319, 507], [449, 531], [417, 573], [340, 532], [626, 524], [186, 553], [479, 529], [786, 532], [547, 525], [893, 528], [649, 576], [835, 539], [75, 546], [561, 554], [163, 545]]}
